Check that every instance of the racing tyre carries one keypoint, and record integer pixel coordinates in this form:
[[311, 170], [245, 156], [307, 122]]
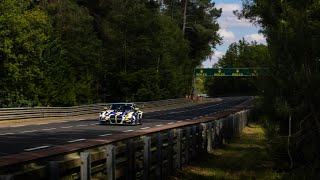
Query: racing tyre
[[133, 122]]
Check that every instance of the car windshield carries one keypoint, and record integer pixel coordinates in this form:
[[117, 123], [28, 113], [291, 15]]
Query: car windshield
[[120, 107]]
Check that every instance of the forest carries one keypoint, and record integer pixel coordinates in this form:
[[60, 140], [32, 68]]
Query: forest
[[289, 99], [72, 52]]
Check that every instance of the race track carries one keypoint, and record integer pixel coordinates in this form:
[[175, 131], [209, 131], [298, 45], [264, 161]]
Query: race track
[[23, 138]]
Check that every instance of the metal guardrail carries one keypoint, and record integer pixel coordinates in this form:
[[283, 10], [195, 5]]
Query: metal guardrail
[[47, 112], [144, 155]]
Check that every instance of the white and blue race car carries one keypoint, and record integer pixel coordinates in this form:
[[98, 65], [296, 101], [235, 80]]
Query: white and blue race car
[[121, 113]]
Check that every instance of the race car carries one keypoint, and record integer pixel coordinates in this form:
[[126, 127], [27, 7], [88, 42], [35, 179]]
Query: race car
[[121, 113]]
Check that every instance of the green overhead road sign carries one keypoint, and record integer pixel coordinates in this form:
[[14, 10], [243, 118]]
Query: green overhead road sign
[[207, 72]]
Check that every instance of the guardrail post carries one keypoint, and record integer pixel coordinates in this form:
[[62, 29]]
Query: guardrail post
[[230, 118], [214, 125], [204, 136], [85, 166], [236, 120], [200, 137], [218, 139], [54, 170], [131, 160], [41, 112], [232, 125], [245, 118], [146, 156], [179, 148], [194, 140], [187, 145], [222, 131], [170, 151], [209, 142], [111, 165], [159, 156], [225, 129], [240, 122]]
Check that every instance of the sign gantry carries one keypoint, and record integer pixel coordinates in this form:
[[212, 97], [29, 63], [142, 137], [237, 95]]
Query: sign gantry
[[216, 72], [225, 72]]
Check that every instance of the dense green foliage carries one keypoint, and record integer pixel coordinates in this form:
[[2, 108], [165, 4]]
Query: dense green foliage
[[69, 52], [24, 36], [292, 31], [240, 54]]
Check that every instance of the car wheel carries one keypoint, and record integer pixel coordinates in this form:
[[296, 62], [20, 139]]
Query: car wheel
[[133, 122]]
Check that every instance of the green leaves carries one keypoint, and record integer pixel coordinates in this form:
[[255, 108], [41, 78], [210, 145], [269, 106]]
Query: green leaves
[[292, 30], [23, 37], [241, 54], [64, 53]]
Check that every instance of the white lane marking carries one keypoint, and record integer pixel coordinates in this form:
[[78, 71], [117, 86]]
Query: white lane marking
[[18, 126], [29, 131], [61, 121], [36, 148], [105, 135], [170, 123], [159, 125], [145, 128], [128, 130], [81, 125], [94, 124], [76, 140], [194, 118], [66, 127], [49, 129], [42, 123], [188, 119], [6, 134], [179, 121]]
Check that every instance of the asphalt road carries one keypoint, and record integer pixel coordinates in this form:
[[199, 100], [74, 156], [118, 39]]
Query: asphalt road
[[22, 138]]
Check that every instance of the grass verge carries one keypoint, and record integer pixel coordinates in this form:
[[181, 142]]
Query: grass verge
[[242, 158]]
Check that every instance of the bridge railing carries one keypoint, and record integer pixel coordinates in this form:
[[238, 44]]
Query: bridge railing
[[145, 154], [47, 112]]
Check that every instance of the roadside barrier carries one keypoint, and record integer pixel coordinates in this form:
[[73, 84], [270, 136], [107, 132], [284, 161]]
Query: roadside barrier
[[47, 112], [145, 154]]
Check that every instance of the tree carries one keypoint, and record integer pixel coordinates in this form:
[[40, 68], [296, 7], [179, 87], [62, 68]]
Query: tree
[[62, 53], [139, 40], [201, 27], [73, 55], [241, 54], [291, 30], [24, 33]]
